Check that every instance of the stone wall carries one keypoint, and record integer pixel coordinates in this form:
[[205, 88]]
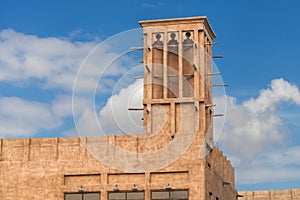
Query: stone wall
[[292, 194], [47, 168], [219, 176]]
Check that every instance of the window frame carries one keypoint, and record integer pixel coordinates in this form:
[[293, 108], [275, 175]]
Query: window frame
[[126, 192], [82, 193], [169, 191]]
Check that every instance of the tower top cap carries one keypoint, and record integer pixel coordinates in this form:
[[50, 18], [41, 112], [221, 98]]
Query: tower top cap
[[176, 21]]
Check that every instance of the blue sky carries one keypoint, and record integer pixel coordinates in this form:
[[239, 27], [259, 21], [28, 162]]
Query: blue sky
[[258, 39]]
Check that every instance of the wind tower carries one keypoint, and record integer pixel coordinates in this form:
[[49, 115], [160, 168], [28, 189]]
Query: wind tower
[[177, 77]]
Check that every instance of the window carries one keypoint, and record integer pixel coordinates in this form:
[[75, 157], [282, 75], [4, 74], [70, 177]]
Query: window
[[82, 196], [126, 196], [210, 195], [169, 195]]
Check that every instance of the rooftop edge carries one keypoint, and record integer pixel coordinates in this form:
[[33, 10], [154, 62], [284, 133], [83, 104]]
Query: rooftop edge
[[194, 19]]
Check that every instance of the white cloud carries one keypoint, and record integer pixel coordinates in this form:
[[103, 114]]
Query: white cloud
[[87, 124], [115, 117], [255, 136], [52, 60], [247, 133], [62, 105], [24, 118], [279, 91], [282, 164], [52, 63]]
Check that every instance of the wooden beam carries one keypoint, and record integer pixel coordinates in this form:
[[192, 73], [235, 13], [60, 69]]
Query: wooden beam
[[136, 48], [211, 43], [210, 105], [135, 109], [148, 69], [195, 67], [224, 85], [218, 115], [138, 77], [214, 73]]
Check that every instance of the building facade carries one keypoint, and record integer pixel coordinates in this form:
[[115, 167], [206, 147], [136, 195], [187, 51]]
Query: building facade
[[174, 158], [292, 194]]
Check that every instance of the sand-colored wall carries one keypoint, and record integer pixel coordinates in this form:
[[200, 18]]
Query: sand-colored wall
[[292, 194], [219, 176], [46, 168]]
